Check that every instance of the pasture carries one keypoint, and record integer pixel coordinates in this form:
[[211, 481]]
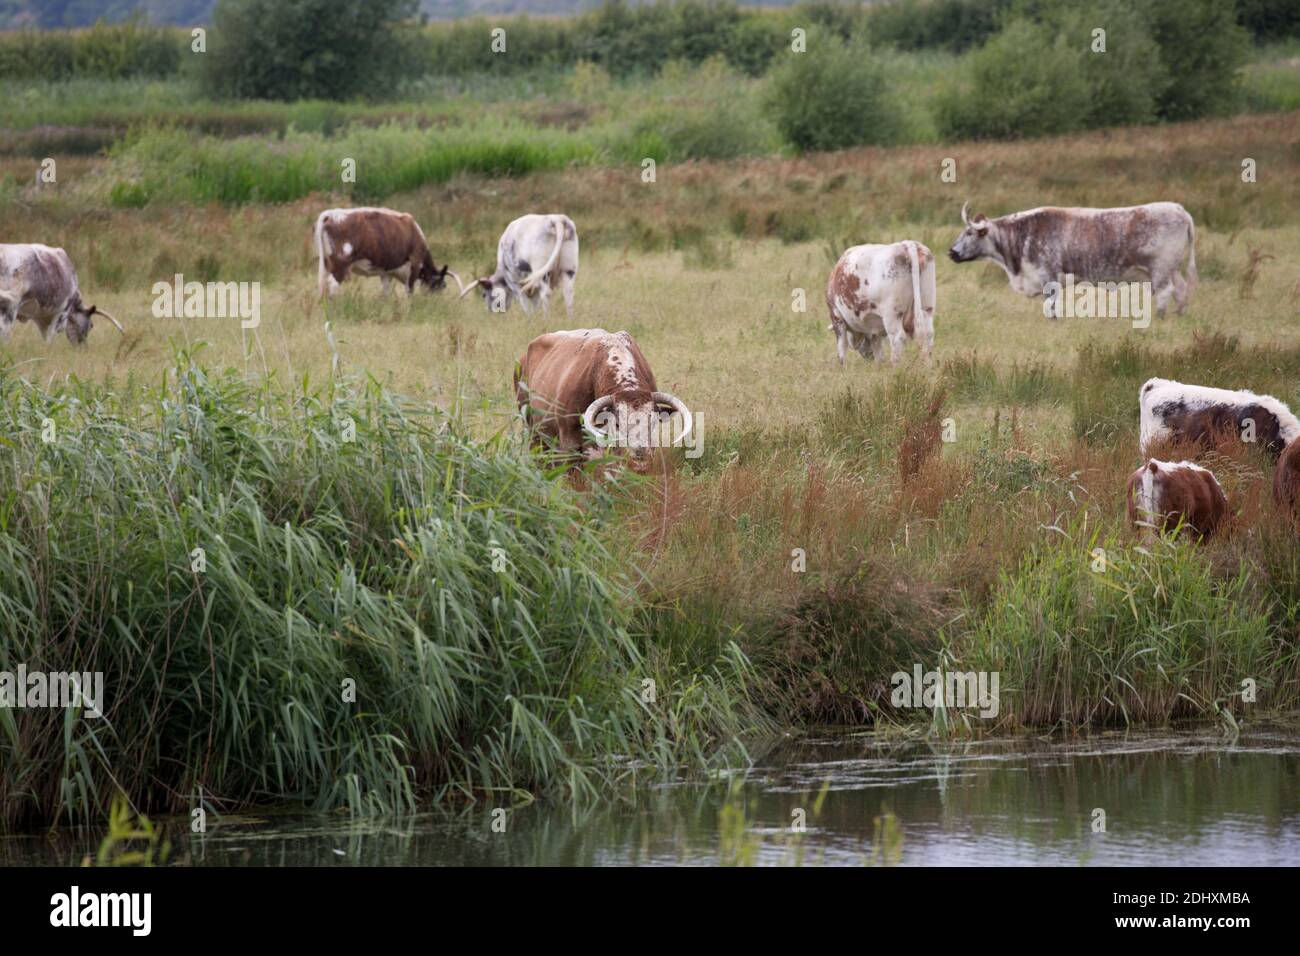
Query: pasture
[[976, 552]]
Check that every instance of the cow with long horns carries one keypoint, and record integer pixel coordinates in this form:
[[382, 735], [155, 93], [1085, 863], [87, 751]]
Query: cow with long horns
[[585, 390], [1040, 249], [39, 284], [535, 256], [373, 241]]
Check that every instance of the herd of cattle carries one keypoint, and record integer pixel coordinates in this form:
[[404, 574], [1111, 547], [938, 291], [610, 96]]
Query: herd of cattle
[[586, 390]]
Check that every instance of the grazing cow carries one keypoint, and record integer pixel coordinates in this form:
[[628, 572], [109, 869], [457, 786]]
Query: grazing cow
[[880, 291], [1209, 416], [1169, 495], [39, 284], [550, 240], [373, 242], [1286, 479], [1039, 248], [587, 388]]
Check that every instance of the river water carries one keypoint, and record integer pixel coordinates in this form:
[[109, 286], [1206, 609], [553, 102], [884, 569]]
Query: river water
[[1176, 798]]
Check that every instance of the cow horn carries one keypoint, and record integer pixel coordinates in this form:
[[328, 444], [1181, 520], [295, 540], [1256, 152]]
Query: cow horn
[[460, 285], [677, 405], [964, 207], [589, 418], [99, 311]]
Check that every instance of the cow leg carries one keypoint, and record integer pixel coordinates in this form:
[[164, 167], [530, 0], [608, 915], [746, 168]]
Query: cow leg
[[335, 278], [387, 280], [1163, 286], [8, 314], [566, 289], [841, 342], [1180, 293], [877, 343], [925, 334]]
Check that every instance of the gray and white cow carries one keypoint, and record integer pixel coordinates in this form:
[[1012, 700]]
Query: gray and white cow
[[1039, 248], [882, 291], [39, 284], [536, 255]]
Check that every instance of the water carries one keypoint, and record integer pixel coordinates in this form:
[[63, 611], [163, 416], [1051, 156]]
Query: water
[[1168, 799]]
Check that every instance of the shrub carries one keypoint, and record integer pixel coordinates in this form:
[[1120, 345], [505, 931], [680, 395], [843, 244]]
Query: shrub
[[302, 49], [832, 96], [1202, 48], [1026, 81]]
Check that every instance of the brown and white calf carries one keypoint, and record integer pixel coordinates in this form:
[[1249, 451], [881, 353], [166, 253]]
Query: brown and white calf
[[879, 292], [587, 389], [1039, 248], [1173, 412], [1168, 495], [372, 241], [39, 284], [535, 255]]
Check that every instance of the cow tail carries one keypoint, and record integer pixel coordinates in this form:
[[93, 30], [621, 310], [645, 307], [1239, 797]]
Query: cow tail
[[319, 234], [1192, 278], [916, 285], [541, 274]]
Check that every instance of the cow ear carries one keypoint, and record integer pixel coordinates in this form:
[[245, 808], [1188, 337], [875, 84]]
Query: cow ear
[[485, 282]]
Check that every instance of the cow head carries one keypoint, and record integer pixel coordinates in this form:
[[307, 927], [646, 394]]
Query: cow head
[[76, 320], [627, 423], [975, 241], [432, 277]]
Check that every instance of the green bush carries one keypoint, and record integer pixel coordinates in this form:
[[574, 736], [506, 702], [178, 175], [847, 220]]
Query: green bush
[[1202, 49], [346, 535], [1028, 80], [304, 49], [955, 25], [832, 96]]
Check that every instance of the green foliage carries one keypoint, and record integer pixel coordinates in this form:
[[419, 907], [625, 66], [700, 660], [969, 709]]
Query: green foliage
[[1202, 48], [1269, 19], [1154, 637], [833, 96], [131, 49], [955, 25], [171, 164], [347, 541], [298, 49], [1028, 80]]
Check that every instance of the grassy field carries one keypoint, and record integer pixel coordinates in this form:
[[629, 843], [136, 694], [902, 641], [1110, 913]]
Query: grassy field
[[975, 554]]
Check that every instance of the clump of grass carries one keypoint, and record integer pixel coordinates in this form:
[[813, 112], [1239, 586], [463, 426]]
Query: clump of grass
[[325, 595], [1156, 636]]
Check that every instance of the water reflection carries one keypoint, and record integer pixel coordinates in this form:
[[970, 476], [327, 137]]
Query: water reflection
[[1167, 799]]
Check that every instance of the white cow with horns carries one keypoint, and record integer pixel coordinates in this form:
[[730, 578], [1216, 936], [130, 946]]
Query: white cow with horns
[[39, 284]]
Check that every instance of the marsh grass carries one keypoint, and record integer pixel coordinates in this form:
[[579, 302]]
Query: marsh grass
[[234, 557]]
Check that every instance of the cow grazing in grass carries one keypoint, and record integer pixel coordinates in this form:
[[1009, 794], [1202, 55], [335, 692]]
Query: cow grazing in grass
[[371, 241], [1040, 248], [535, 256], [39, 284], [879, 292], [1175, 495], [1286, 480], [587, 389], [1173, 412]]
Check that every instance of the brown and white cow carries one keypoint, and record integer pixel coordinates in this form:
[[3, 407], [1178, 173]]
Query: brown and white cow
[[587, 389], [535, 255], [39, 284], [1170, 411], [1175, 495], [1039, 249], [882, 291], [1286, 479], [373, 241]]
